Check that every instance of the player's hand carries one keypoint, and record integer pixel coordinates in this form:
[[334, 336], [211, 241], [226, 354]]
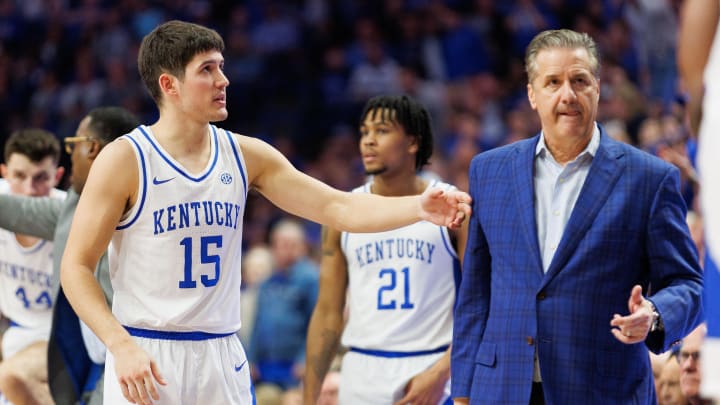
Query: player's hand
[[634, 327], [426, 388], [445, 208], [136, 373]]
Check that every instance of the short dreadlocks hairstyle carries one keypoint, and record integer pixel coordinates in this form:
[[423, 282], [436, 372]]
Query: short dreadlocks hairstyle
[[408, 113]]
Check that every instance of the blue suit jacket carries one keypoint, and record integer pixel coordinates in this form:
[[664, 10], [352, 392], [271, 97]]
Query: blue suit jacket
[[627, 227]]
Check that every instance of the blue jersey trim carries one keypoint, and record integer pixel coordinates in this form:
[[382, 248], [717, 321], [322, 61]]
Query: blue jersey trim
[[237, 159], [34, 248], [144, 186], [167, 160], [166, 335], [445, 238], [389, 354], [15, 324], [457, 277]]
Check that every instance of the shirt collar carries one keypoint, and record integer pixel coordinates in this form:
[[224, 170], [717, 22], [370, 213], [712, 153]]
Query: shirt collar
[[591, 148]]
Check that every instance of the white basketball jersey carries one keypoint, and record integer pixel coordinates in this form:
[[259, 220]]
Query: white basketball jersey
[[709, 145], [25, 272], [175, 256], [402, 287]]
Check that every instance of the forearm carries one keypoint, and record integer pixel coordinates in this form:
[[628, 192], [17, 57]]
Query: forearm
[[365, 212], [441, 368], [697, 28], [34, 216], [322, 346], [87, 299]]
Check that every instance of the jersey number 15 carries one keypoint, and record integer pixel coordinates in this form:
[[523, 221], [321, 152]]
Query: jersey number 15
[[205, 258]]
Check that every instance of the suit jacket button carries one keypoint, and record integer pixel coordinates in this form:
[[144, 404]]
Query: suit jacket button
[[529, 340], [541, 295]]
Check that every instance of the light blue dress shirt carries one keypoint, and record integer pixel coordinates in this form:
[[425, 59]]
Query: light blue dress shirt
[[557, 188]]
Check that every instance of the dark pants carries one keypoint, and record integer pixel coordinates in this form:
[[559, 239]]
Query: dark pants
[[536, 396]]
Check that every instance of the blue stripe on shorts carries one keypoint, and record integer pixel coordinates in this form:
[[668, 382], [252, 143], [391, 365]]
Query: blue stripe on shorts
[[384, 353], [166, 335]]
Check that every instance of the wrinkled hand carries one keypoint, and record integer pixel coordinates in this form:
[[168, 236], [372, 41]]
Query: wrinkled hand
[[425, 388], [634, 327], [445, 208], [136, 373]]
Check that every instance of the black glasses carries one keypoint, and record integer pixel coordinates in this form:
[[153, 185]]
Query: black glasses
[[684, 356], [72, 140]]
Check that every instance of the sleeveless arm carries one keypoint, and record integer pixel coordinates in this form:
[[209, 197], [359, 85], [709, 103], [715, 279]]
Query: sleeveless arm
[[299, 194], [326, 323], [699, 19]]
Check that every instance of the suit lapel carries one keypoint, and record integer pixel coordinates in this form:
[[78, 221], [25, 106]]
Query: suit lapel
[[523, 169], [604, 172]]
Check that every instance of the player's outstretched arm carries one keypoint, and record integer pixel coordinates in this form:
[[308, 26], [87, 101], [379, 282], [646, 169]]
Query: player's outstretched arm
[[108, 193], [327, 320], [297, 193]]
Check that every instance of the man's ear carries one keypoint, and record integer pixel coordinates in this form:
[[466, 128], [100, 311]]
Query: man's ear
[[531, 96], [414, 147], [94, 149], [58, 174], [167, 84], [3, 170]]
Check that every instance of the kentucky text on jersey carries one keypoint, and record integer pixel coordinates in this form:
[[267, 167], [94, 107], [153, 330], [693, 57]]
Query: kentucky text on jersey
[[396, 248], [196, 213], [23, 273]]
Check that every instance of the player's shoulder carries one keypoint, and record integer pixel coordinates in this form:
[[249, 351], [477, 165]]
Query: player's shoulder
[[435, 181], [364, 188]]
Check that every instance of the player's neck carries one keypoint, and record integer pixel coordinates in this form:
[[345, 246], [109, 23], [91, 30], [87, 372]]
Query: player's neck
[[25, 240], [394, 186], [187, 141], [174, 126]]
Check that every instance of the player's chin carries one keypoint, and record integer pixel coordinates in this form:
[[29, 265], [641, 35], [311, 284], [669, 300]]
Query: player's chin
[[219, 115]]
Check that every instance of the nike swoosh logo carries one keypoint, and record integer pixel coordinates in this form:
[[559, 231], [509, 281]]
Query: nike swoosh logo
[[158, 182], [238, 368]]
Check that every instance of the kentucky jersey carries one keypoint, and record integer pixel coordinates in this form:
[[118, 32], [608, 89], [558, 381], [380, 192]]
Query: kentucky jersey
[[182, 240], [25, 272], [401, 287]]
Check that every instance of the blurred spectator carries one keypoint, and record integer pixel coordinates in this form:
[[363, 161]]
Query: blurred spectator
[[463, 50], [257, 266], [376, 74], [286, 299], [690, 374], [669, 392], [654, 26], [657, 362], [329, 389]]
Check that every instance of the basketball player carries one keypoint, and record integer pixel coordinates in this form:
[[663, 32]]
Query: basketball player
[[699, 63], [401, 282], [30, 168], [74, 358], [171, 197]]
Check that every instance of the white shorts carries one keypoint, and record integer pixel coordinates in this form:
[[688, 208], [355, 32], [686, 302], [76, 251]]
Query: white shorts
[[376, 380], [17, 338], [209, 371]]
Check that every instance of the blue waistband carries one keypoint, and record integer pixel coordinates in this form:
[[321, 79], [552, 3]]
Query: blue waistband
[[15, 324], [384, 353], [166, 335]]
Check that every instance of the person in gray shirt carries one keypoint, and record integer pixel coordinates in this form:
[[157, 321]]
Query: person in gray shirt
[[74, 371]]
